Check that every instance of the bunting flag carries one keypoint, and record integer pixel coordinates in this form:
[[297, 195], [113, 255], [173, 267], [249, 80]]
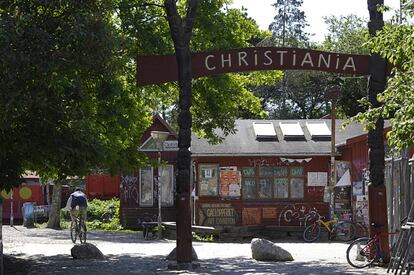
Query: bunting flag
[[295, 160]]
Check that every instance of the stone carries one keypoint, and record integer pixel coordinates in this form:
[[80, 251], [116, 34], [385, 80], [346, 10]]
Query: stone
[[173, 255], [264, 250], [86, 251]]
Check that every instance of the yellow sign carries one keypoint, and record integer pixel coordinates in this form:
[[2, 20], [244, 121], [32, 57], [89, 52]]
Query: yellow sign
[[25, 193]]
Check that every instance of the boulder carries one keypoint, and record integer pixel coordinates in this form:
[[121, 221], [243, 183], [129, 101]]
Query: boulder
[[264, 250], [86, 251], [173, 255]]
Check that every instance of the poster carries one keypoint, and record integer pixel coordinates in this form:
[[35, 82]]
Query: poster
[[230, 182], [343, 173], [361, 209], [357, 188], [317, 178], [208, 180]]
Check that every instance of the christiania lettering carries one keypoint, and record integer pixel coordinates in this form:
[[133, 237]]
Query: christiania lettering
[[282, 58]]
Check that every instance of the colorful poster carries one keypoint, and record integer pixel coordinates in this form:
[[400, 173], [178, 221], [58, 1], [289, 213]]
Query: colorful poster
[[230, 182]]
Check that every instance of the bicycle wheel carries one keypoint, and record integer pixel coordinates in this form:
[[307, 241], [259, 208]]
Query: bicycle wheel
[[73, 231], [82, 232], [361, 252], [345, 231], [312, 232]]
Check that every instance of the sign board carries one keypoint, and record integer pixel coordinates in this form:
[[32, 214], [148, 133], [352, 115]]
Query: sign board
[[163, 68], [217, 214], [170, 145]]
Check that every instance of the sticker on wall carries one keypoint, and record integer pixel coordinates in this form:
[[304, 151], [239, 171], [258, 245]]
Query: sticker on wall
[[25, 193], [5, 195], [230, 182]]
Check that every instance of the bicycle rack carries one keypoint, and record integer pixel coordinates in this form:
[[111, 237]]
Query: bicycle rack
[[402, 254]]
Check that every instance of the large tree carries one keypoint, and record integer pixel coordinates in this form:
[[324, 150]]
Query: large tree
[[288, 26], [66, 103], [218, 100], [395, 43]]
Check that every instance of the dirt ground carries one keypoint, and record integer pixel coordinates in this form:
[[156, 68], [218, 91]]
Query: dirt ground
[[45, 251]]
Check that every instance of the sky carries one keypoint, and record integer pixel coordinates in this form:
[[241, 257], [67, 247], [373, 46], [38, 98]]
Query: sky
[[315, 10]]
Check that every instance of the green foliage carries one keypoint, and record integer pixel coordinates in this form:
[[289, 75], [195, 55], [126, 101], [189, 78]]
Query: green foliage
[[104, 214], [206, 238], [347, 34], [288, 27], [395, 43], [67, 103], [217, 100]]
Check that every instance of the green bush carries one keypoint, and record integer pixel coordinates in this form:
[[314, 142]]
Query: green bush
[[104, 214], [101, 215]]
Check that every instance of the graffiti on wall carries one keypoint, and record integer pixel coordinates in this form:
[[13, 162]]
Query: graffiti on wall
[[298, 214], [129, 188], [257, 162]]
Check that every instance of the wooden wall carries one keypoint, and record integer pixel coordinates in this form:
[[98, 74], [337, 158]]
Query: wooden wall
[[218, 211]]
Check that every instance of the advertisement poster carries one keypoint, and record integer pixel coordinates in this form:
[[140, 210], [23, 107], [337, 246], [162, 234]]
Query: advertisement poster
[[230, 182]]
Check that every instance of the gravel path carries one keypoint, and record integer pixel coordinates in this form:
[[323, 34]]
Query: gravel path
[[46, 251]]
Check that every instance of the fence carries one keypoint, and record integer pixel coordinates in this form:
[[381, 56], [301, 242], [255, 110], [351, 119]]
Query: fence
[[399, 181]]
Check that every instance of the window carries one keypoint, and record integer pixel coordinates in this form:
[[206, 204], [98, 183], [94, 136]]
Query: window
[[208, 182], [146, 191], [166, 174], [281, 188], [291, 130], [268, 182], [249, 188]]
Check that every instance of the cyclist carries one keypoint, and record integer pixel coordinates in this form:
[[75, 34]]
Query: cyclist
[[77, 198]]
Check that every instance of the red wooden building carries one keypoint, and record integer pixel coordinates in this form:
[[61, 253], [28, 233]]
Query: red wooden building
[[274, 172], [139, 191], [29, 191]]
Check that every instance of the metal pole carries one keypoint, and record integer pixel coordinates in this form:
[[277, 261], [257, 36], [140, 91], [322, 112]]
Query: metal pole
[[11, 208], [333, 181], [159, 194]]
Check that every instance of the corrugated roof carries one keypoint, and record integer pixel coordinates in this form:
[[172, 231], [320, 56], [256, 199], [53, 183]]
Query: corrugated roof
[[244, 142]]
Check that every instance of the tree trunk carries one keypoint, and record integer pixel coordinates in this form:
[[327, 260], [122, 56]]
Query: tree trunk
[[181, 31], [54, 214], [376, 190], [1, 237]]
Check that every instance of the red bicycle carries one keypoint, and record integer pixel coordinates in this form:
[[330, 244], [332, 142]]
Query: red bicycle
[[364, 251]]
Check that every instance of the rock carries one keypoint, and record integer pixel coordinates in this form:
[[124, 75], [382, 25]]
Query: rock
[[264, 250], [86, 251], [173, 255]]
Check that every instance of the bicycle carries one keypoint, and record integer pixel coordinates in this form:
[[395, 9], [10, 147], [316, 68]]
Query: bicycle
[[78, 228], [364, 251], [343, 230]]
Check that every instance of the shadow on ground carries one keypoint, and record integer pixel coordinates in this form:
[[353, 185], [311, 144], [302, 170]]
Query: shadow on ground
[[133, 264]]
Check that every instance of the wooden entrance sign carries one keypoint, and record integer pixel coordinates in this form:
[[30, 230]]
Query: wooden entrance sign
[[163, 68]]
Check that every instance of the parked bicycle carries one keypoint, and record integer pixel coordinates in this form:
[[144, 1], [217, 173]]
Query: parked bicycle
[[343, 230], [78, 229], [365, 251]]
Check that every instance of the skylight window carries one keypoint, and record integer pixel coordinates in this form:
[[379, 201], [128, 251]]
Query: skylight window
[[264, 130], [319, 130], [291, 130]]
